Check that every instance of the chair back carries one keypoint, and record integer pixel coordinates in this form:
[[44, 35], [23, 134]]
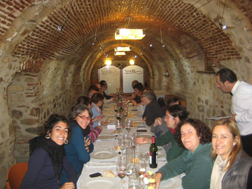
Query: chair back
[[15, 175]]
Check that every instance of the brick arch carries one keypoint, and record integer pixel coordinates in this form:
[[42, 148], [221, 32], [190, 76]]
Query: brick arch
[[84, 18]]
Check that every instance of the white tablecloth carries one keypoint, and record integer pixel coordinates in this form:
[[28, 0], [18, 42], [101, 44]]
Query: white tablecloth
[[101, 165]]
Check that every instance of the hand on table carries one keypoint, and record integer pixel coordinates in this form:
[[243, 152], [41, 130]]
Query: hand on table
[[68, 185], [104, 123], [158, 121], [98, 118], [133, 95], [157, 178], [143, 140]]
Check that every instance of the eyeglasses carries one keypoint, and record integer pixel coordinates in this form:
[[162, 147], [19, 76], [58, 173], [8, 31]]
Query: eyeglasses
[[84, 117], [167, 117]]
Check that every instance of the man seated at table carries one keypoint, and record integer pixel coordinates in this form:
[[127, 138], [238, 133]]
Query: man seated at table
[[152, 110], [92, 89], [104, 87]]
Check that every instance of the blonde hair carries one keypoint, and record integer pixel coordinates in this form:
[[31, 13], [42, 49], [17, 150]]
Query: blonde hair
[[233, 129]]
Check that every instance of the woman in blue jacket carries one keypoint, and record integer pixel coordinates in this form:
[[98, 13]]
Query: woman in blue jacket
[[79, 148]]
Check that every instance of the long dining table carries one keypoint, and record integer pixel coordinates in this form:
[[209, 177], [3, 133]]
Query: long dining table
[[104, 157]]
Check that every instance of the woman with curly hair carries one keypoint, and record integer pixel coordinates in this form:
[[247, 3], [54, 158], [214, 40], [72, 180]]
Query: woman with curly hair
[[195, 162], [232, 167], [48, 157]]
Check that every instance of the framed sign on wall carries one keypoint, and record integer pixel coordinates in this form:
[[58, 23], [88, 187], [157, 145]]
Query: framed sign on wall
[[112, 75], [129, 74]]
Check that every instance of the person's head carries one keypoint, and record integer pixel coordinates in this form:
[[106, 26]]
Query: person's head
[[173, 101], [174, 115], [103, 84], [191, 133], [226, 140], [99, 86], [148, 96], [82, 114], [97, 99], [138, 88], [134, 82], [93, 87], [225, 79], [58, 128], [85, 101]]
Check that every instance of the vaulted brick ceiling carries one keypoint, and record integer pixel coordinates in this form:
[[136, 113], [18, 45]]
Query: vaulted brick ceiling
[[181, 26]]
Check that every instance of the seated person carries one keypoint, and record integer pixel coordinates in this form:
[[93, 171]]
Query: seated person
[[92, 89], [94, 132], [48, 157], [174, 116], [195, 161], [97, 101], [80, 146], [232, 167], [152, 108], [104, 87], [138, 89], [159, 126], [133, 83]]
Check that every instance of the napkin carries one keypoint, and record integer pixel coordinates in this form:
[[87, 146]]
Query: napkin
[[111, 127]]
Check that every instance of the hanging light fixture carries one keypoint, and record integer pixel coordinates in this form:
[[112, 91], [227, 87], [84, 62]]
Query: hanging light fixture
[[119, 53], [129, 34], [108, 62], [122, 49], [132, 62]]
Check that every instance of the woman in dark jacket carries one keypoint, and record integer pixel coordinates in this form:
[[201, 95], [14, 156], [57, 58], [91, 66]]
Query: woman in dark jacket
[[48, 157], [232, 167]]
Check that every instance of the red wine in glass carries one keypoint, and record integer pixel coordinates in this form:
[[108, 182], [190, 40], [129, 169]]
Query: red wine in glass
[[121, 175]]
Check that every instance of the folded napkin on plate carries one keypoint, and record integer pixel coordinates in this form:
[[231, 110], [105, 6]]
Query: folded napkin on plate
[[101, 164]]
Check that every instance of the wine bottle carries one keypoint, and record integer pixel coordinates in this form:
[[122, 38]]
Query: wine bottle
[[153, 154]]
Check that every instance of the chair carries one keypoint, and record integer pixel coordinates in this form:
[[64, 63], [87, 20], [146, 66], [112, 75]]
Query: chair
[[15, 175]]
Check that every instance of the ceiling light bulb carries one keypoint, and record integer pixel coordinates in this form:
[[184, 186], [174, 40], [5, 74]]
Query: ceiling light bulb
[[59, 28], [150, 45], [132, 62]]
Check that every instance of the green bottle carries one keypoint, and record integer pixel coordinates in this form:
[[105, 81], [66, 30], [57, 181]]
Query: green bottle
[[153, 154]]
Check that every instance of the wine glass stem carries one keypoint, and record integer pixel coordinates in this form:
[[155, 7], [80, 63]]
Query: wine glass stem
[[121, 184]]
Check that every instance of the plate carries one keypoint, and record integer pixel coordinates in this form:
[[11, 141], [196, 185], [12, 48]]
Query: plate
[[106, 137], [105, 154], [98, 183], [145, 135], [218, 118], [172, 183]]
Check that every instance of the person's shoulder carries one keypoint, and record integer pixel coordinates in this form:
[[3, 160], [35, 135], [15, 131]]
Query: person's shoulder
[[205, 151], [41, 152], [244, 87]]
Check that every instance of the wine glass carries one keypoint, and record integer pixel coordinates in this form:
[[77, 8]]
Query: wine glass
[[128, 125], [118, 125], [118, 115], [116, 109], [121, 168]]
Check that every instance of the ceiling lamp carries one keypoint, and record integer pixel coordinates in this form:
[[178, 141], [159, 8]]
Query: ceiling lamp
[[122, 49], [132, 62], [108, 62], [129, 34], [119, 53]]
